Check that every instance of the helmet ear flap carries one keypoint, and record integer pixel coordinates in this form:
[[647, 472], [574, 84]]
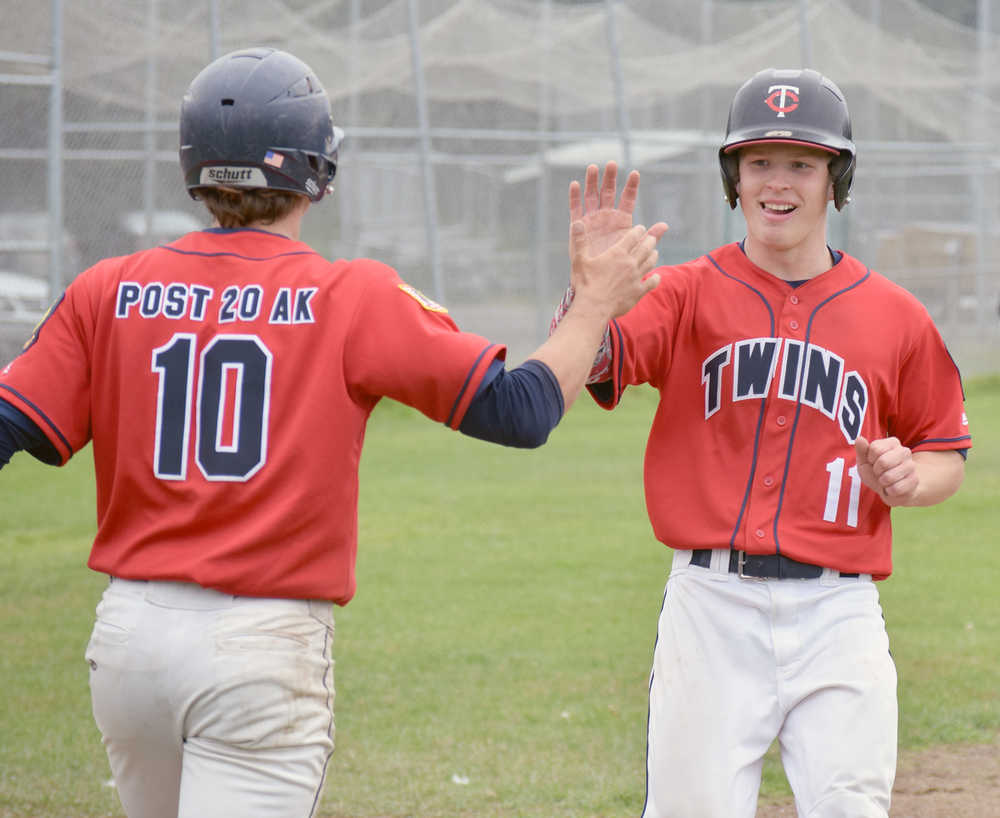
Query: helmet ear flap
[[842, 174], [729, 165]]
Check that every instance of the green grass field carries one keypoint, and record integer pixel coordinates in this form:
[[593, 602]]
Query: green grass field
[[495, 659]]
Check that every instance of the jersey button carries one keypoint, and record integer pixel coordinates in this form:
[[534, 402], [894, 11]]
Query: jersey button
[[759, 533], [793, 324], [780, 420], [769, 481], [794, 299]]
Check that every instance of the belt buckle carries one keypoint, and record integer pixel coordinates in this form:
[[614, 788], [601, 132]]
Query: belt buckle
[[740, 562]]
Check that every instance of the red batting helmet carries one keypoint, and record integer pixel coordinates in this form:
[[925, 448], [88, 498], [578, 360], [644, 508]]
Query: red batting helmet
[[798, 106]]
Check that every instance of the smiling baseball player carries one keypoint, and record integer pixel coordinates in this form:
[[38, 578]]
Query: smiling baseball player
[[802, 396], [226, 380]]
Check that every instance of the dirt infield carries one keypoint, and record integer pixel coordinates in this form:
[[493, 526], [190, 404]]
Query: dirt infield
[[957, 781]]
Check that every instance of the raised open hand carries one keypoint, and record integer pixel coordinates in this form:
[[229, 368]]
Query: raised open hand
[[604, 219]]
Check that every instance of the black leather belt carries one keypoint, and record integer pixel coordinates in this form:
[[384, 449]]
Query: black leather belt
[[763, 566]]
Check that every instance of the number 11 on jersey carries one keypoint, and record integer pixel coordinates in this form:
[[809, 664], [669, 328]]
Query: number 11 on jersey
[[833, 489]]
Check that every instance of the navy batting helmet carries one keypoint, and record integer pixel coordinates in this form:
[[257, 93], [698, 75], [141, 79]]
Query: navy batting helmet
[[258, 118], [798, 106]]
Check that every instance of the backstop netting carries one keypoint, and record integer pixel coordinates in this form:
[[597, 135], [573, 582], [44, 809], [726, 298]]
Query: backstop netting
[[467, 119]]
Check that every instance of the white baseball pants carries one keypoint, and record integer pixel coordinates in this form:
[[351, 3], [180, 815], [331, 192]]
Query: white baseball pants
[[212, 705], [740, 662]]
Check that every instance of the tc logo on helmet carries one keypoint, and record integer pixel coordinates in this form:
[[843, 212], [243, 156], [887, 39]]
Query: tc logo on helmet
[[782, 99]]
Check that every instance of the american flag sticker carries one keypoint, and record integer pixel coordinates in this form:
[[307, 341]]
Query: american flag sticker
[[274, 159]]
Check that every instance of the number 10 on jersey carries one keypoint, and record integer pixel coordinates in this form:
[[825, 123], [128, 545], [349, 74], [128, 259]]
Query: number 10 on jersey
[[226, 391]]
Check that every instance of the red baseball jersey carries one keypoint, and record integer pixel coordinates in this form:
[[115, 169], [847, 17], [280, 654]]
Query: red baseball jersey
[[764, 387], [226, 380]]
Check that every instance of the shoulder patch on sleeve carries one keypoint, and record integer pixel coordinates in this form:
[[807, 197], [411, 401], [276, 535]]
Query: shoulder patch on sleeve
[[33, 338], [421, 299]]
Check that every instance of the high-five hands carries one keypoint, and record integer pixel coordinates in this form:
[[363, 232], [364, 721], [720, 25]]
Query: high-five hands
[[603, 221], [612, 281]]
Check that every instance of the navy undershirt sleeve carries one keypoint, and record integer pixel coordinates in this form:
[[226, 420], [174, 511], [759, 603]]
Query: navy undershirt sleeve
[[19, 432], [603, 391], [515, 408]]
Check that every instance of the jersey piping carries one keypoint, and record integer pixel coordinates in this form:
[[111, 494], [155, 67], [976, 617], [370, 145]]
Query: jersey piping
[[241, 256], [945, 440], [40, 415], [798, 402], [465, 386], [760, 416]]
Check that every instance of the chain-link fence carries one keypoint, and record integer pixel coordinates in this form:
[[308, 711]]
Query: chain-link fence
[[467, 119]]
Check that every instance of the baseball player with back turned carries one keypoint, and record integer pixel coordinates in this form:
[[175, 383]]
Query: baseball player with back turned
[[802, 397], [225, 381]]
